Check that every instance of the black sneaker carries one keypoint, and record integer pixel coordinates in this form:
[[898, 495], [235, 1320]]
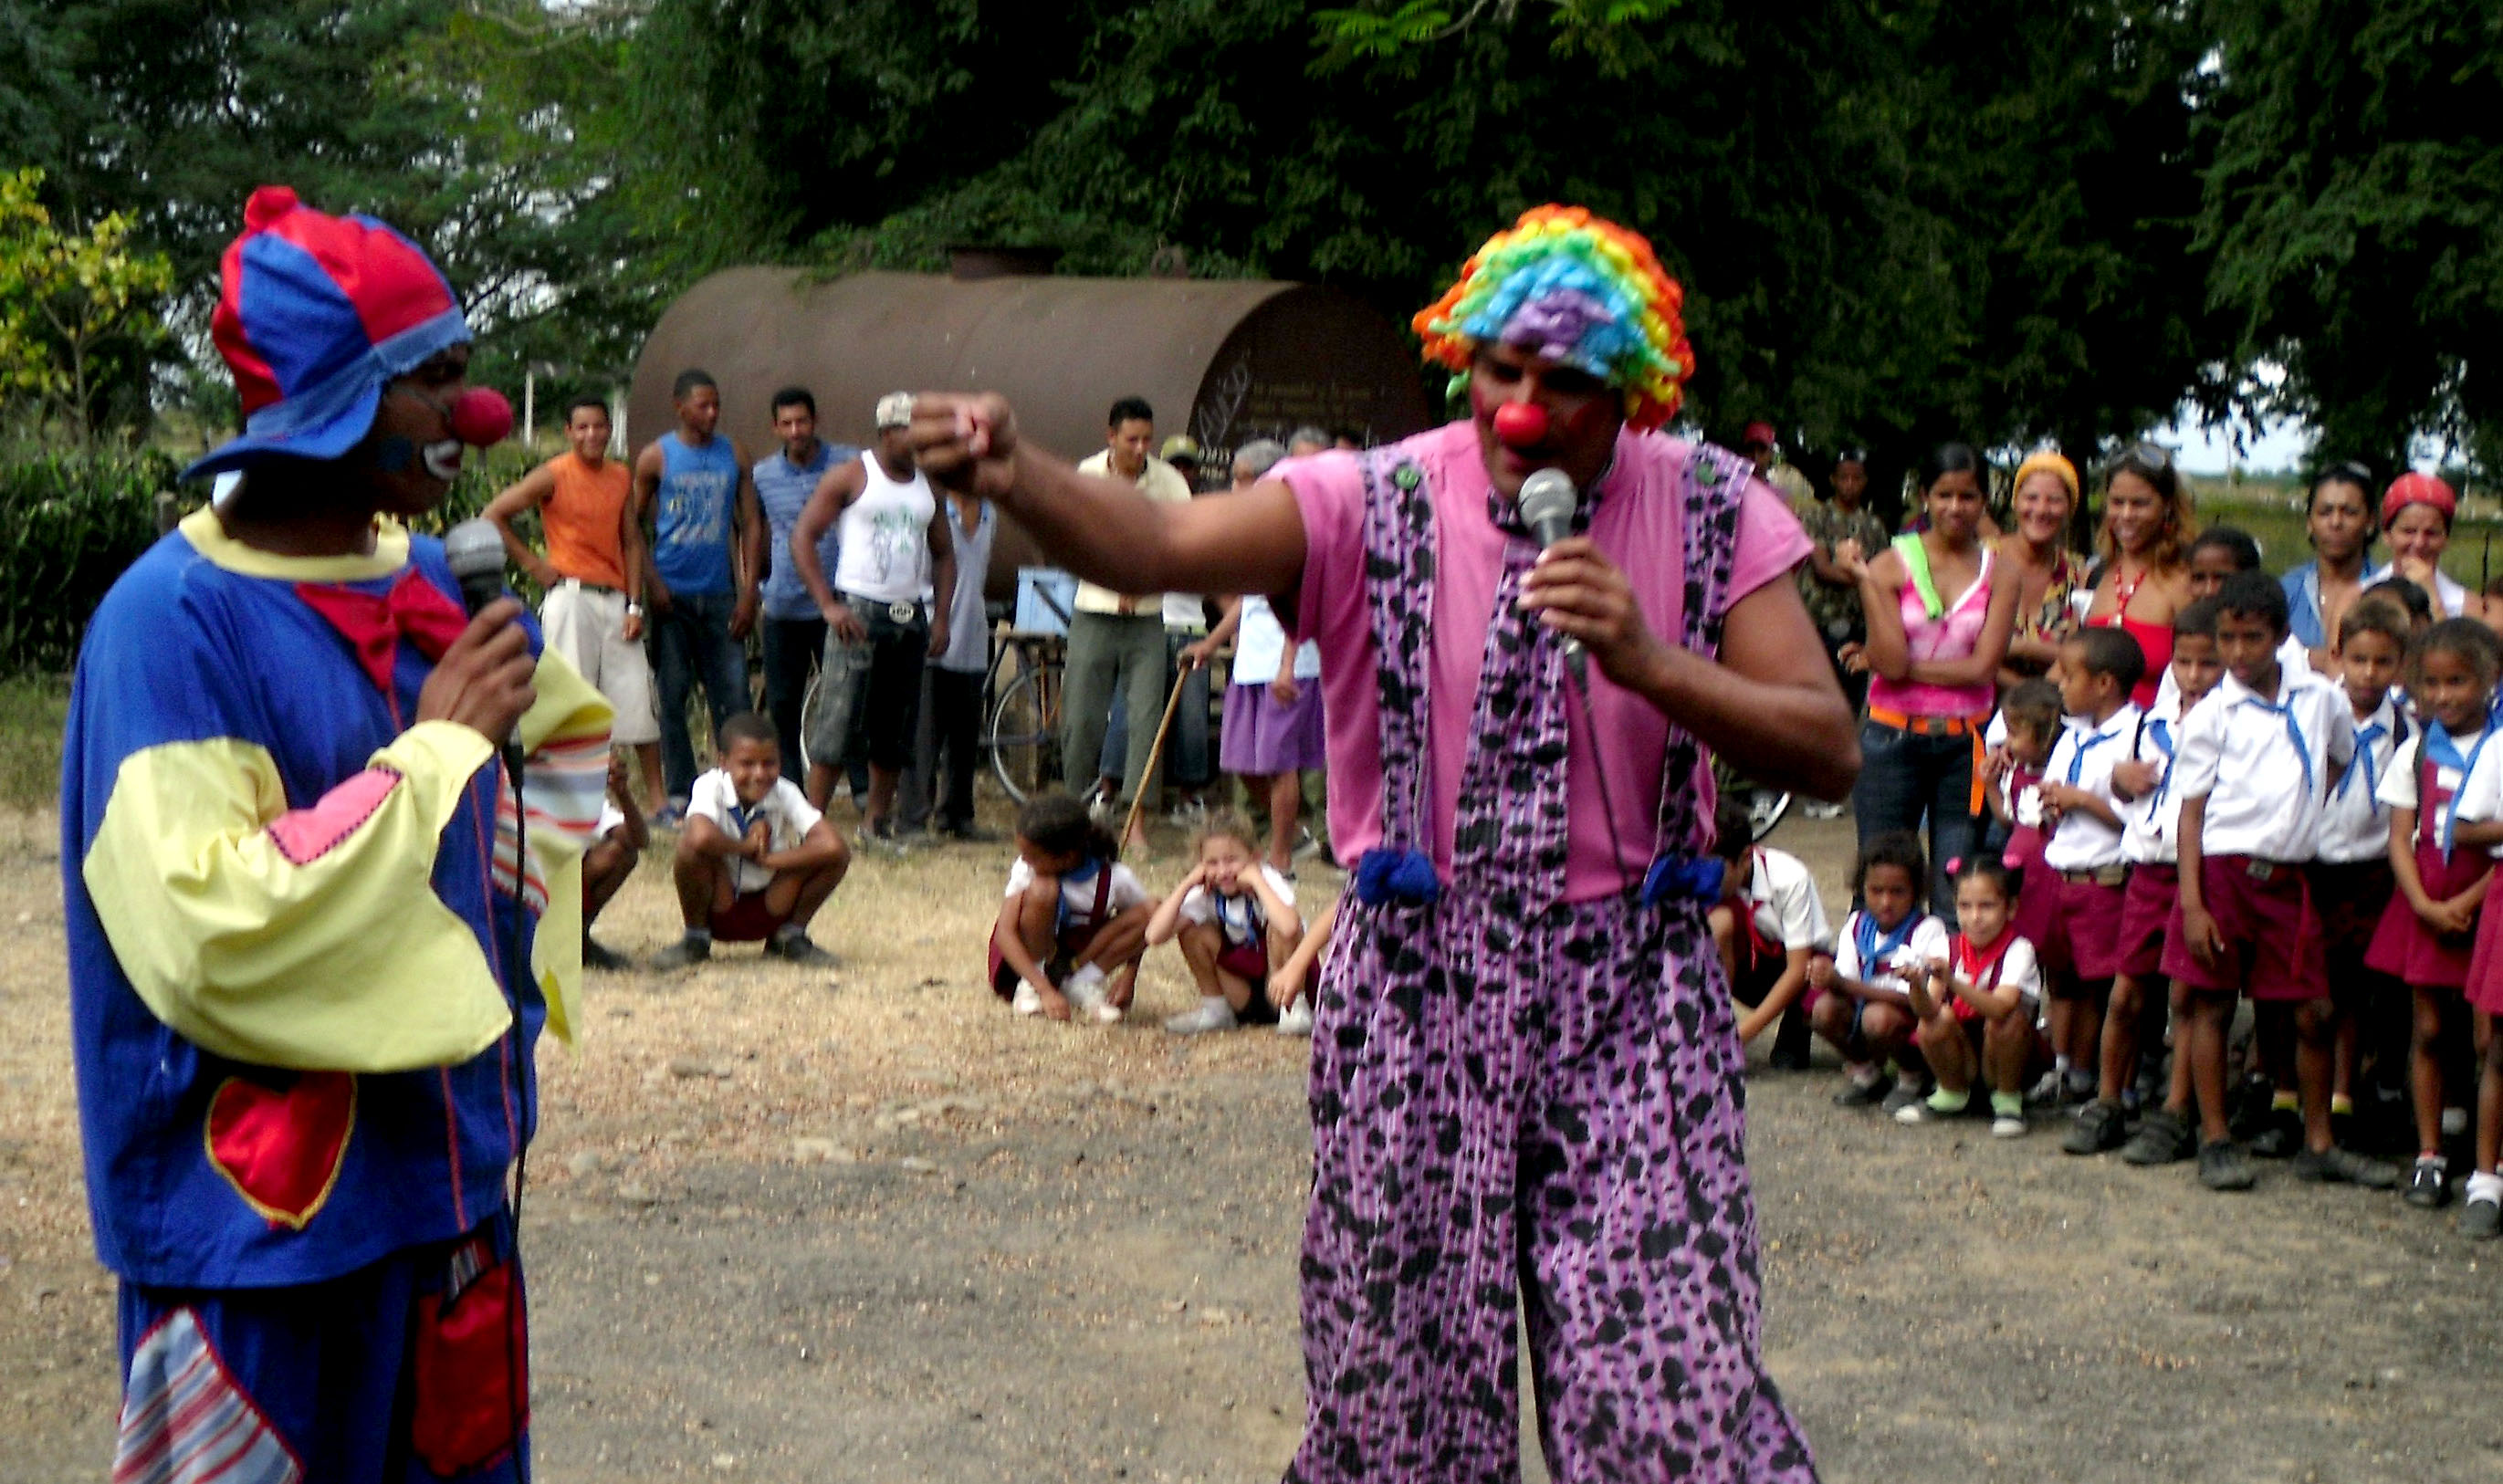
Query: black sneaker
[[2481, 1220], [685, 952], [2334, 1165], [2430, 1184], [1864, 1094], [2096, 1130], [1906, 1090], [2280, 1136], [797, 948], [2162, 1139], [1788, 1060], [600, 956], [2224, 1166]]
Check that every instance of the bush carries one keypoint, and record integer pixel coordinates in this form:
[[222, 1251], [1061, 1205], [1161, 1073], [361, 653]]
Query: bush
[[70, 521]]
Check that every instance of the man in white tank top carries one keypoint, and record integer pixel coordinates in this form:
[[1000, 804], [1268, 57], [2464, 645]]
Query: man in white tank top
[[879, 628]]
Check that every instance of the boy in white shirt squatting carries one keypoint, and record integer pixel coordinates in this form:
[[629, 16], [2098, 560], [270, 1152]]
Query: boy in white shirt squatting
[[1768, 925], [2255, 767], [756, 859]]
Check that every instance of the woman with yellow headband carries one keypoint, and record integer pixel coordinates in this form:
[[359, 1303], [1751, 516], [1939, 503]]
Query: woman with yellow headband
[[2046, 573]]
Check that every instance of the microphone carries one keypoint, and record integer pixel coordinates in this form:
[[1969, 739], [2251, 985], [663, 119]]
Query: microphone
[[475, 552], [1548, 503]]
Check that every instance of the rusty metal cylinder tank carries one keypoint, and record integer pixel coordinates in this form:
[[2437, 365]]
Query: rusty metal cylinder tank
[[1223, 360]]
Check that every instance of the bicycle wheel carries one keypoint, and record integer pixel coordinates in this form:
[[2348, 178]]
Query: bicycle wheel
[[1764, 806], [1025, 732], [808, 722]]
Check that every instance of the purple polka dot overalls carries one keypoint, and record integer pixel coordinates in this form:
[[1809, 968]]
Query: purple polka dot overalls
[[1516, 1098]]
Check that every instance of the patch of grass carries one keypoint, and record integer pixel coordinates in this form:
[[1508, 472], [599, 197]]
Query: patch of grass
[[33, 710]]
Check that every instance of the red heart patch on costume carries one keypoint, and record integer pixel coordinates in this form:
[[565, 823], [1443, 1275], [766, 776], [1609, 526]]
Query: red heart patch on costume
[[281, 1147]]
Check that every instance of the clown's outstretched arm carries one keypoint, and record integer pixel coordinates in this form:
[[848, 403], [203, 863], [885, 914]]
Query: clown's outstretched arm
[[308, 936], [1103, 529]]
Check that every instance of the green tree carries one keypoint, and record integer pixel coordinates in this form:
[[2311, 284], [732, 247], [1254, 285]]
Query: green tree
[[2356, 211], [78, 310]]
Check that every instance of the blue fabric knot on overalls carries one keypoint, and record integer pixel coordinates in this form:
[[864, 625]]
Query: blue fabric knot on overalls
[[1386, 874], [1684, 878]]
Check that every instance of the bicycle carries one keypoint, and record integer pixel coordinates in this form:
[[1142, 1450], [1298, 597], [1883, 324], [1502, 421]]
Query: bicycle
[[1765, 807]]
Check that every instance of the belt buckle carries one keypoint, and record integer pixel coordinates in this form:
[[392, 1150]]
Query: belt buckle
[[902, 611], [2260, 870]]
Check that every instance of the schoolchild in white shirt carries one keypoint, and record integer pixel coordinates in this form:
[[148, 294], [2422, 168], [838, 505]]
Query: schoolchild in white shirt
[[2256, 766], [2080, 943], [2151, 812], [1856, 1000]]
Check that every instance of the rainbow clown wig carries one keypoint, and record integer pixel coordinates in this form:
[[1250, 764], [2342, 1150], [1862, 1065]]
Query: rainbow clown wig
[[1575, 289]]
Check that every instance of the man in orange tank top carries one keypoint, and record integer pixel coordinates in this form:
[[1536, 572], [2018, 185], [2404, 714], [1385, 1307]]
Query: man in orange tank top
[[593, 574]]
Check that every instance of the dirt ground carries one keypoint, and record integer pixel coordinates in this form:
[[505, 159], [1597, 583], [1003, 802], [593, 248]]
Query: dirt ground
[[862, 1226]]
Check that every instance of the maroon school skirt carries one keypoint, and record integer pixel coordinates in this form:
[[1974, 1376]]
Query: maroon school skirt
[[2485, 986], [2407, 949]]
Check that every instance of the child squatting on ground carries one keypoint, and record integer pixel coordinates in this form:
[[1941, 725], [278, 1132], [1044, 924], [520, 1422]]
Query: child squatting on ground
[[755, 858], [1977, 1005], [1858, 1000], [1074, 925], [1235, 915]]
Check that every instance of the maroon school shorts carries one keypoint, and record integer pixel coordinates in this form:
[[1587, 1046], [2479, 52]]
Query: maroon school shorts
[[2263, 911], [2083, 934], [747, 920], [2146, 911]]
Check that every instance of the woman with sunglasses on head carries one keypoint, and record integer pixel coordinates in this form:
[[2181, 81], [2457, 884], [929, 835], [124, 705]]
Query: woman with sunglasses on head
[[2416, 512], [1939, 615], [2045, 572], [2145, 579], [2339, 523]]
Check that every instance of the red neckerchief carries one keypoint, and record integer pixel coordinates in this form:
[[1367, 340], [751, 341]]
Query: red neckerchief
[[415, 610], [1763, 947], [1968, 966]]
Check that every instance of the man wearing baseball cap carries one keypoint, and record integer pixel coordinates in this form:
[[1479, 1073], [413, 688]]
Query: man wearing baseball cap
[[887, 610], [306, 978]]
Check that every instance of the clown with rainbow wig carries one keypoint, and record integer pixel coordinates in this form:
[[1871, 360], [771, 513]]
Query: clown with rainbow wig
[[309, 960], [1525, 1082]]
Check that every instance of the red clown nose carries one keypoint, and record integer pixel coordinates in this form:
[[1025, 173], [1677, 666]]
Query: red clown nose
[[481, 417], [1521, 424]]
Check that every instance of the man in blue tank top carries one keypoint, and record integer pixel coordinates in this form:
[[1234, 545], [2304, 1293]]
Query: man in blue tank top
[[707, 558]]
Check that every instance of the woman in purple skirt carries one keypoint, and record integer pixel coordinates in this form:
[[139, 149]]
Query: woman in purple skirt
[[1273, 704], [1525, 1083]]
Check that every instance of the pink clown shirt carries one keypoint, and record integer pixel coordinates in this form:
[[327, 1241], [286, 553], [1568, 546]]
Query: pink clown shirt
[[1639, 522]]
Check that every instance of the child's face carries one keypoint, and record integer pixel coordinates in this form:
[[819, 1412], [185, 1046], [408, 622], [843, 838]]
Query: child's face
[[2028, 746], [1226, 860], [2369, 664], [2196, 666], [2210, 566], [1888, 890], [2451, 690], [2082, 692], [1981, 908], [754, 768], [2248, 644], [1045, 862]]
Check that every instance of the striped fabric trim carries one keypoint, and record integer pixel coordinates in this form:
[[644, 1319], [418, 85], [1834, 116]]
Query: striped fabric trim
[[185, 1421], [566, 783]]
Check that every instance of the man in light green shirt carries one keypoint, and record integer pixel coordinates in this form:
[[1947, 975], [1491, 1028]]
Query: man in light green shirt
[[1120, 637]]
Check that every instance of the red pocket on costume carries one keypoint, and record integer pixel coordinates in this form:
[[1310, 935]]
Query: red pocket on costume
[[472, 1376], [281, 1144]]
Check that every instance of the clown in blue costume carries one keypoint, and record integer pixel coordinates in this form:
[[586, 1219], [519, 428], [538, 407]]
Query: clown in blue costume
[[306, 975]]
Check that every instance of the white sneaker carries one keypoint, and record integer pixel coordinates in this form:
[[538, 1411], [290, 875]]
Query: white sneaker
[[1212, 1014], [1296, 1019], [1085, 992], [2007, 1126], [1027, 1000]]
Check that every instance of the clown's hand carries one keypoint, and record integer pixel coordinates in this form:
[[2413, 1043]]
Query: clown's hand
[[966, 441], [1576, 591]]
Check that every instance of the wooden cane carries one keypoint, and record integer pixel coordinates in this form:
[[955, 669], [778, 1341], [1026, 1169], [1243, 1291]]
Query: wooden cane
[[1155, 755]]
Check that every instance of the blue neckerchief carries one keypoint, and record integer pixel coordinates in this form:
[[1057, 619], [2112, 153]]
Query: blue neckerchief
[[2370, 733], [2445, 753], [2163, 735], [2078, 757], [2293, 731], [1080, 873], [1864, 936]]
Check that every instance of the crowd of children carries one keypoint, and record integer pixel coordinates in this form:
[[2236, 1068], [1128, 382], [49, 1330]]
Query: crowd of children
[[2315, 838]]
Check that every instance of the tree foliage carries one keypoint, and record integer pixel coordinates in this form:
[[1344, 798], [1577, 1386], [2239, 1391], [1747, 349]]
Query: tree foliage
[[78, 310], [2356, 210]]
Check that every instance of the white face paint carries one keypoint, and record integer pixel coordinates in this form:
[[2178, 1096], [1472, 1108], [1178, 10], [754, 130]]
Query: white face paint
[[443, 460]]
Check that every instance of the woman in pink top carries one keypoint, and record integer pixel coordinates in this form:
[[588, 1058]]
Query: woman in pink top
[[1938, 630], [1524, 1069]]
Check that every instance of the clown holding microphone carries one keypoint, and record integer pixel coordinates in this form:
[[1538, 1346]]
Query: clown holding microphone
[[1525, 1085]]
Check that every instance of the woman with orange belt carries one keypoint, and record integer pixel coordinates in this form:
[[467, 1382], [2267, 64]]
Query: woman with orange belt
[[1939, 627], [2148, 526]]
